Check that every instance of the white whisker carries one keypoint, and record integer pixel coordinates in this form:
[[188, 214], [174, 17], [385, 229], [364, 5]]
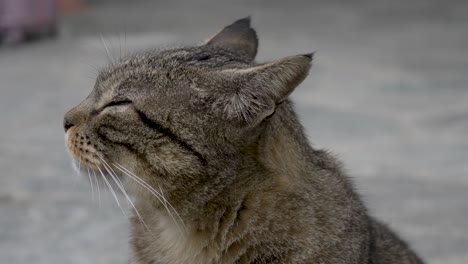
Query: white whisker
[[121, 187], [97, 185], [162, 195], [154, 192], [112, 191], [125, 39], [79, 163], [120, 47], [91, 183], [109, 57]]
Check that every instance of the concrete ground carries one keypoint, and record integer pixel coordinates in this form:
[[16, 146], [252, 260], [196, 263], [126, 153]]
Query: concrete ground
[[388, 94]]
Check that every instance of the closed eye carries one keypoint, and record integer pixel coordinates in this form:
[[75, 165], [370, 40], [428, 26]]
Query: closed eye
[[117, 103]]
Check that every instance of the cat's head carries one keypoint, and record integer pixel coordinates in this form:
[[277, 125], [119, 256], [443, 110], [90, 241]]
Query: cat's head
[[177, 113]]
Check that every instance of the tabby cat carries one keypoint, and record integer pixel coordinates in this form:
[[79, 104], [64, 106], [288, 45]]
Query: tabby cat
[[208, 144]]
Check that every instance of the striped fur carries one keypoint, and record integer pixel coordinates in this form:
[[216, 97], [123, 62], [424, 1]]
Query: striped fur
[[208, 143]]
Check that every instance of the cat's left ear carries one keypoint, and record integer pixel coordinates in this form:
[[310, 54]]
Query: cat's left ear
[[254, 93], [238, 37]]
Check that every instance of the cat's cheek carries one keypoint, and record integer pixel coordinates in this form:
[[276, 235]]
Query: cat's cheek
[[173, 162]]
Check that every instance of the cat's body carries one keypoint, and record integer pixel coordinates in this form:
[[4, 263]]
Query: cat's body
[[220, 167]]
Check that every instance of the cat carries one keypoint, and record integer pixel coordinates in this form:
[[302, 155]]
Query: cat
[[208, 143]]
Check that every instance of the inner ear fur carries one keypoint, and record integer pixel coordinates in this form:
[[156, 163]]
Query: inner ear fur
[[256, 91], [238, 37]]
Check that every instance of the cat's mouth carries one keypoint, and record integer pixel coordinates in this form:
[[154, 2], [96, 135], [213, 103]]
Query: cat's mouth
[[84, 152], [88, 159]]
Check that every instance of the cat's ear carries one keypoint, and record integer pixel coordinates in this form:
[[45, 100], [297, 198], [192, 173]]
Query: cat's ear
[[238, 37], [259, 89]]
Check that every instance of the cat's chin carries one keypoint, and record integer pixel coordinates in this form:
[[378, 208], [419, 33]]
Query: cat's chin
[[83, 165]]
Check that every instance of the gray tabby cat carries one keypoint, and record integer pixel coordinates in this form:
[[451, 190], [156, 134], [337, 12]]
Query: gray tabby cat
[[208, 143]]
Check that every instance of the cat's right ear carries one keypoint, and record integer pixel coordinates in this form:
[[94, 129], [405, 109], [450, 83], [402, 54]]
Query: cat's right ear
[[251, 94], [238, 37]]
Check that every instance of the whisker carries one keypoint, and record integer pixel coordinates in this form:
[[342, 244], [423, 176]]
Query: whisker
[[109, 57], [121, 187], [120, 46], [112, 191], [79, 163], [91, 183], [97, 185], [125, 39], [162, 194], [112, 174], [154, 192], [144, 184]]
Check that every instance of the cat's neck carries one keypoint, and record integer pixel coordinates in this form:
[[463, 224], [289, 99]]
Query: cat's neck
[[281, 157]]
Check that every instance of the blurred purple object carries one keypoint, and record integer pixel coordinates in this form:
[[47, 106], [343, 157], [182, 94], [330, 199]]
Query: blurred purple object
[[27, 19]]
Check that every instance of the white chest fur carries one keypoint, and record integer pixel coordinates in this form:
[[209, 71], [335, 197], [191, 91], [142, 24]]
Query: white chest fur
[[173, 243]]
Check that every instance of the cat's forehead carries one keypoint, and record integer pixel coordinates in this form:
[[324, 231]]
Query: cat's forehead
[[161, 62], [178, 57]]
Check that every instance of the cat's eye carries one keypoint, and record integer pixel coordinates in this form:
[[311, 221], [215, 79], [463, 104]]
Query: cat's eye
[[117, 103]]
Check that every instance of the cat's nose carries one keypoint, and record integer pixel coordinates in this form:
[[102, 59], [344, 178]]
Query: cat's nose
[[67, 123]]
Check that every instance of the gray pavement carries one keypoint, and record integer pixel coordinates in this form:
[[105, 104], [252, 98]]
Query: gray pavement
[[388, 94]]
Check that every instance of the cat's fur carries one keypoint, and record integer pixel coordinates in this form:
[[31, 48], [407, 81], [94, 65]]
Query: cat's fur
[[215, 133]]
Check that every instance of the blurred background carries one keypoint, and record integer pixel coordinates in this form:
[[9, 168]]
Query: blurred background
[[388, 94]]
